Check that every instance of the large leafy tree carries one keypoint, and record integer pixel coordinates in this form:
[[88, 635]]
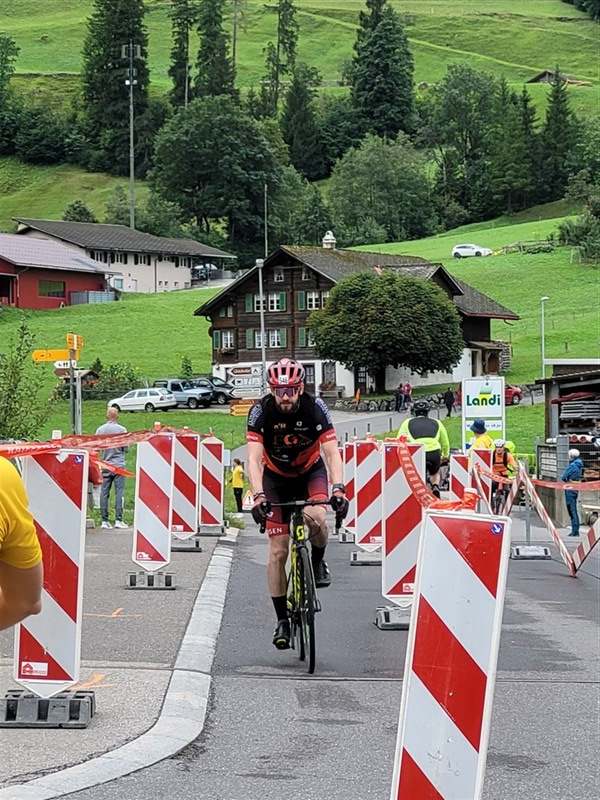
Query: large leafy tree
[[8, 57], [300, 125], [215, 192], [280, 57], [384, 182], [376, 320], [382, 88], [183, 15], [559, 136], [112, 25], [298, 214], [216, 74]]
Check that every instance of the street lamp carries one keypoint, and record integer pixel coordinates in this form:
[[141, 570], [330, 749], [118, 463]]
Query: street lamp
[[542, 304], [261, 300], [130, 52]]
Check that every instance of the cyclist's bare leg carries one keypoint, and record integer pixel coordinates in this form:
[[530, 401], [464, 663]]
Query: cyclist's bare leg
[[315, 517], [276, 561], [435, 478]]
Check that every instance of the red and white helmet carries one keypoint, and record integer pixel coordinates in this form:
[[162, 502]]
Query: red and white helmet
[[285, 372]]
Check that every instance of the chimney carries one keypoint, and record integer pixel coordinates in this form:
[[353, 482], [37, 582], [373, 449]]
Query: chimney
[[329, 241]]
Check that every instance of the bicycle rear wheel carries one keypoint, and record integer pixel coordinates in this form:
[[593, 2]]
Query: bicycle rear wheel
[[307, 610]]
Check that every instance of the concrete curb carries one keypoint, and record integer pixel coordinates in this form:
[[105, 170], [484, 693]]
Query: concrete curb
[[183, 712]]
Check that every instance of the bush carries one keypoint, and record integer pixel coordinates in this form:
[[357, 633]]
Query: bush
[[41, 137], [10, 121]]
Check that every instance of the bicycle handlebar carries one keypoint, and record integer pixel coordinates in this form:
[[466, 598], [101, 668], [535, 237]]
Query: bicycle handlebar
[[303, 504]]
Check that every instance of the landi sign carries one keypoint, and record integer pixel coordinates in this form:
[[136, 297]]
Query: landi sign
[[483, 398]]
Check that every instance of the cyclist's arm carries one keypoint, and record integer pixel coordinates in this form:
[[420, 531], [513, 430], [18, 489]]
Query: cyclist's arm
[[255, 466], [333, 461], [444, 441], [20, 593]]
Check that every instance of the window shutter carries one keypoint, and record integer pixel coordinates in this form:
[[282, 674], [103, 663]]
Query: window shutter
[[249, 337], [249, 302], [301, 337], [217, 340], [300, 301], [282, 301], [283, 337]]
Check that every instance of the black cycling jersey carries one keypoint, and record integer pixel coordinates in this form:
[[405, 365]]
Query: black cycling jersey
[[292, 441]]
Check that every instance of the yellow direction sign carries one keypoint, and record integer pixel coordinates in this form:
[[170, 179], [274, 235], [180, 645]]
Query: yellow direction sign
[[74, 341], [52, 355]]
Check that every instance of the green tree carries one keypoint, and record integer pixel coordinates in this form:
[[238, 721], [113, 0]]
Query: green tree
[[214, 192], [8, 57], [77, 211], [382, 320], [339, 126], [385, 182], [300, 125], [280, 58], [591, 7], [239, 21], [531, 141], [216, 74], [24, 405], [558, 140], [40, 138], [382, 88], [157, 216], [298, 214], [112, 25], [183, 15]]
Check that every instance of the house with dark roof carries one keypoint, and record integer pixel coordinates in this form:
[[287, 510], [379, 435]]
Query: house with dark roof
[[296, 281], [145, 263], [42, 274]]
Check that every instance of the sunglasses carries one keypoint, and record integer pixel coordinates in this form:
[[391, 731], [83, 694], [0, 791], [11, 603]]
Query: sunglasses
[[286, 391]]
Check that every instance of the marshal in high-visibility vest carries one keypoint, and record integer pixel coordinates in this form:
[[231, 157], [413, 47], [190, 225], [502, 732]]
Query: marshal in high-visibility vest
[[432, 434]]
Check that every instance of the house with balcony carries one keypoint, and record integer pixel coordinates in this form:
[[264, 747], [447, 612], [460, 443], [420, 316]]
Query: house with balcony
[[145, 263], [296, 281]]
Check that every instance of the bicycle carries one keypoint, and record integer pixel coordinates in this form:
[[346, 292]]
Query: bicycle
[[499, 498], [303, 601]]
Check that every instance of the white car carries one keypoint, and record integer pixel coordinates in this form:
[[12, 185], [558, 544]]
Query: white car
[[467, 250], [144, 400]]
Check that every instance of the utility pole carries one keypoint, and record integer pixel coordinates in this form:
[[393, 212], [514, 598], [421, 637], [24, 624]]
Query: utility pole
[[263, 345], [266, 210], [129, 52]]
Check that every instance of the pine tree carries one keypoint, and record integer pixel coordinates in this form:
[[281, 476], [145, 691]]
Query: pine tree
[[382, 76], [216, 75], [299, 124], [558, 140], [280, 57], [183, 15], [239, 19], [368, 21], [531, 140], [112, 25]]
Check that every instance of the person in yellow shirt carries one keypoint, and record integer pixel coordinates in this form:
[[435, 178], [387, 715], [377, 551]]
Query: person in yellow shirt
[[481, 439], [21, 574], [237, 482]]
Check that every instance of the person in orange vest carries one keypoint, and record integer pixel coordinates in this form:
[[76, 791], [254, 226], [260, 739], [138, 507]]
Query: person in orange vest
[[504, 465]]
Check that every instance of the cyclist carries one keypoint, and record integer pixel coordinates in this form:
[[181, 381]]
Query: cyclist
[[20, 552], [432, 435], [292, 447], [504, 465]]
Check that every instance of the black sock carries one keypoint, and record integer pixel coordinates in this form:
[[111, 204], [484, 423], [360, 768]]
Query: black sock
[[281, 609], [316, 555]]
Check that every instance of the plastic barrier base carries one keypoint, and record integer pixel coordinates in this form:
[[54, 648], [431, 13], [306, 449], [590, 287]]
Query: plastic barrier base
[[21, 709], [212, 530], [346, 537], [393, 618], [191, 545], [362, 559], [535, 552], [150, 580]]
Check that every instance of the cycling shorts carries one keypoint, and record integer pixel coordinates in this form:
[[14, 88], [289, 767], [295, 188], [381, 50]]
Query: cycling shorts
[[312, 485], [433, 461]]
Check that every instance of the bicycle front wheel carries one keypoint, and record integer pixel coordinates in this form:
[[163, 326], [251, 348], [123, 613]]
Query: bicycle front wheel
[[307, 610]]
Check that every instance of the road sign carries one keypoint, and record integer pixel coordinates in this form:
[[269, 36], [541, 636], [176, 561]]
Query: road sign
[[50, 355], [74, 341], [65, 364]]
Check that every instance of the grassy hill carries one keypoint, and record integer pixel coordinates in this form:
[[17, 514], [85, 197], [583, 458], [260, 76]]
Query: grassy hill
[[499, 36], [27, 190], [518, 282]]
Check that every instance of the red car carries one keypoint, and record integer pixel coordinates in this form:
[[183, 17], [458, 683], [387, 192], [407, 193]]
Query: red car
[[512, 395]]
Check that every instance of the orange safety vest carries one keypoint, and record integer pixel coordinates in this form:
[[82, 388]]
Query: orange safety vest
[[500, 463]]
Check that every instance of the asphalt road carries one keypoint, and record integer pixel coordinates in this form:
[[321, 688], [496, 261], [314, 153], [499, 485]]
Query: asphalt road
[[275, 733]]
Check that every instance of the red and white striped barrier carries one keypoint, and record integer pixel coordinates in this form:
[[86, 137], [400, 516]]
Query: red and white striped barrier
[[367, 533], [349, 468], [481, 491], [211, 482], [459, 475], [482, 459], [402, 514], [545, 517], [184, 510], [48, 646], [588, 541], [153, 501], [451, 658]]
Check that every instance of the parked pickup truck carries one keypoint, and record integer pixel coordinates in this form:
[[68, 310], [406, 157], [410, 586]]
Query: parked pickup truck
[[185, 393]]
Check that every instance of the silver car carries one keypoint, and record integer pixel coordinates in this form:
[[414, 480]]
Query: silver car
[[467, 250], [144, 400]]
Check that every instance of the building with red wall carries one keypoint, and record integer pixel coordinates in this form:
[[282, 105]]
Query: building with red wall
[[42, 274]]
